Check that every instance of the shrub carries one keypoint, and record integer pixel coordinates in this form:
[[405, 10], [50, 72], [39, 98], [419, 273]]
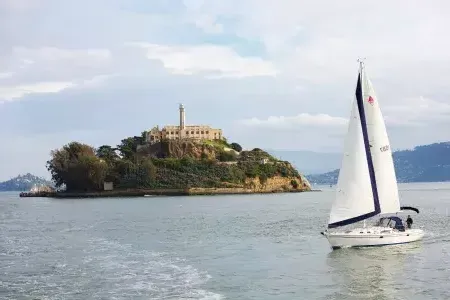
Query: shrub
[[263, 179], [294, 183], [284, 172], [236, 147], [226, 156]]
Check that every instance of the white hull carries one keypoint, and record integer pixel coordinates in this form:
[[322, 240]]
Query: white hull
[[372, 236]]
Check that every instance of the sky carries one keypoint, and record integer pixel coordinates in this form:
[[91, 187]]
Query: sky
[[271, 74]]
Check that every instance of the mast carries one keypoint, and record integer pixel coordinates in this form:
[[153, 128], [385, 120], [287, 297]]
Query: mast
[[367, 145]]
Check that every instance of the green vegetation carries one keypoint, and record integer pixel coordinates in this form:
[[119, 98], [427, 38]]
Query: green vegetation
[[219, 144], [226, 156], [79, 167], [236, 147]]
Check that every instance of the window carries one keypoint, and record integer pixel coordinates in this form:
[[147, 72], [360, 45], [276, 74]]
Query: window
[[197, 132], [187, 132], [177, 132], [203, 132], [192, 132], [207, 132]]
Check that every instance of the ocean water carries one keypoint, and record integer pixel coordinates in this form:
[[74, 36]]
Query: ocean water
[[221, 247]]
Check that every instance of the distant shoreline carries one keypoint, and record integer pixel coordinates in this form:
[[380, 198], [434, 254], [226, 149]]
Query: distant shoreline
[[157, 192]]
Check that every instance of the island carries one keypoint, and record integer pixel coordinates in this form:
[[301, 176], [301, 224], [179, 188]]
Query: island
[[173, 160], [25, 182]]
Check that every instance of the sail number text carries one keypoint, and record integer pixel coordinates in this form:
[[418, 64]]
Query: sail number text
[[384, 148]]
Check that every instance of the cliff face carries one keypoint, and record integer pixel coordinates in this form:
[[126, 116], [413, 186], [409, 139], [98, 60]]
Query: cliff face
[[278, 184], [179, 149], [273, 185], [204, 165]]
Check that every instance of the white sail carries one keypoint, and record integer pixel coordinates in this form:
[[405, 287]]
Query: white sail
[[367, 184], [386, 181], [353, 190]]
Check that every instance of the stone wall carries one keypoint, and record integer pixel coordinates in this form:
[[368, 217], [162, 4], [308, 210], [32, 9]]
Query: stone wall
[[194, 132]]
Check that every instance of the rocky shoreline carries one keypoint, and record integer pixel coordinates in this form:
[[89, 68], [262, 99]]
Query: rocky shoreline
[[158, 192]]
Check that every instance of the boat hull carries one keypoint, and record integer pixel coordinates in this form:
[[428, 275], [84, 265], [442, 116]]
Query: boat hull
[[372, 237]]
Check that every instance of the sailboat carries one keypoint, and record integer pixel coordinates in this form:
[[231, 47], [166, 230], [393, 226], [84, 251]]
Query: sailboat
[[367, 184]]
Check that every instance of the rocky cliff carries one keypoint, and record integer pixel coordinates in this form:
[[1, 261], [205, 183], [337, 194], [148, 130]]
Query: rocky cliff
[[213, 164], [185, 148]]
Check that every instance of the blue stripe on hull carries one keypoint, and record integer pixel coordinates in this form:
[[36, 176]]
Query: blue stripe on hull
[[367, 246]]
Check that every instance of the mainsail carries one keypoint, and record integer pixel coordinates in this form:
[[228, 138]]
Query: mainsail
[[367, 184]]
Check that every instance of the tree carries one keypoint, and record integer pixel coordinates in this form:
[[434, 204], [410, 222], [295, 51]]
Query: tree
[[77, 167], [147, 172], [128, 146], [144, 135], [107, 153], [141, 174], [236, 147]]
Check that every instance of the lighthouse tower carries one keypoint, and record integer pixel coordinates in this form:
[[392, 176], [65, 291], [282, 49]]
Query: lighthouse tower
[[182, 117]]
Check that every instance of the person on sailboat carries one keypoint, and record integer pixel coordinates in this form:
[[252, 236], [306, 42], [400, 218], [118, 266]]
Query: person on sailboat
[[409, 222]]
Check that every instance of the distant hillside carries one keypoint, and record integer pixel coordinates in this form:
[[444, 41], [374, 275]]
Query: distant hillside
[[308, 161], [23, 183], [427, 163]]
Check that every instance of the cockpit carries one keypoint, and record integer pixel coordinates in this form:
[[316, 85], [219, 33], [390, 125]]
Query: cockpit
[[391, 222]]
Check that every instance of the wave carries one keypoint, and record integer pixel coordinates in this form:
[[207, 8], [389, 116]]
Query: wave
[[102, 269]]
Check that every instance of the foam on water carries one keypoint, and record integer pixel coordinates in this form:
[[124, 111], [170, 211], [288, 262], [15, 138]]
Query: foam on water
[[157, 275], [109, 270]]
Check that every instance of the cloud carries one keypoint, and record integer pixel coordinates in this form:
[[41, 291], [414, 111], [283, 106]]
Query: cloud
[[217, 61], [295, 59], [411, 117], [419, 107], [82, 57], [320, 43], [56, 62], [14, 92], [40, 70], [10, 93], [413, 112], [6, 75], [296, 122]]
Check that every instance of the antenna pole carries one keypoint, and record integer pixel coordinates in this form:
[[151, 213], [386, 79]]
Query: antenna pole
[[361, 63]]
